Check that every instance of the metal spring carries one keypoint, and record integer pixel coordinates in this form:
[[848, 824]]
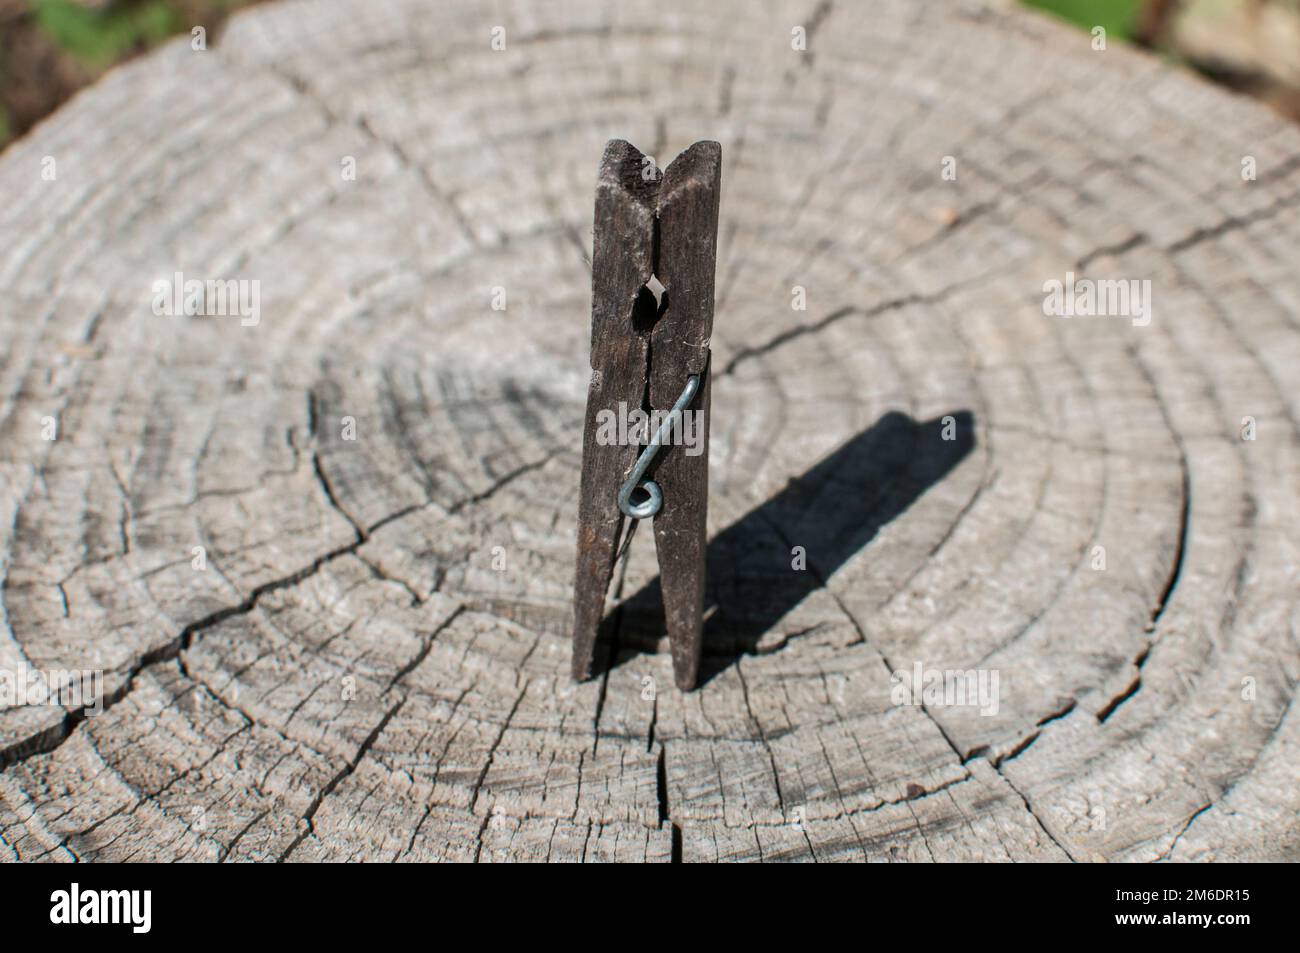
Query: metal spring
[[654, 496]]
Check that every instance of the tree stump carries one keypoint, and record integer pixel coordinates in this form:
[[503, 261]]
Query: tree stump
[[324, 559]]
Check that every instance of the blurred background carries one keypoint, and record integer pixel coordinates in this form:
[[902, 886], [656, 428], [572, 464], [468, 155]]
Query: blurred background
[[51, 48]]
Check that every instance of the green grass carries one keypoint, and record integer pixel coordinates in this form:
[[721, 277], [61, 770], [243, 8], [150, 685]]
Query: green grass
[[98, 38], [1117, 16]]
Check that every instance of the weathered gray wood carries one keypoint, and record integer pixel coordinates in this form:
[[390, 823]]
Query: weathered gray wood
[[376, 661]]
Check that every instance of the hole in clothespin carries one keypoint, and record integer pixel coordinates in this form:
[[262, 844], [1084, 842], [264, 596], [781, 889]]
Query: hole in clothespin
[[639, 496], [651, 301], [658, 290]]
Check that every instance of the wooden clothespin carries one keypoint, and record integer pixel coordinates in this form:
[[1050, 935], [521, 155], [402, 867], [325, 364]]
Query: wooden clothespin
[[649, 355]]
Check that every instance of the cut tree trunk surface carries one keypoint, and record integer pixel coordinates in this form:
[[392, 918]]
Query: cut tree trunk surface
[[325, 561]]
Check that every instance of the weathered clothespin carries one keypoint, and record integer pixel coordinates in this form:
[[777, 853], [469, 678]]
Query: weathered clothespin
[[654, 357]]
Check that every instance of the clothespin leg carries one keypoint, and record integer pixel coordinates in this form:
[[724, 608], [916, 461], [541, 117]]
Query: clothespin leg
[[679, 531], [597, 547]]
